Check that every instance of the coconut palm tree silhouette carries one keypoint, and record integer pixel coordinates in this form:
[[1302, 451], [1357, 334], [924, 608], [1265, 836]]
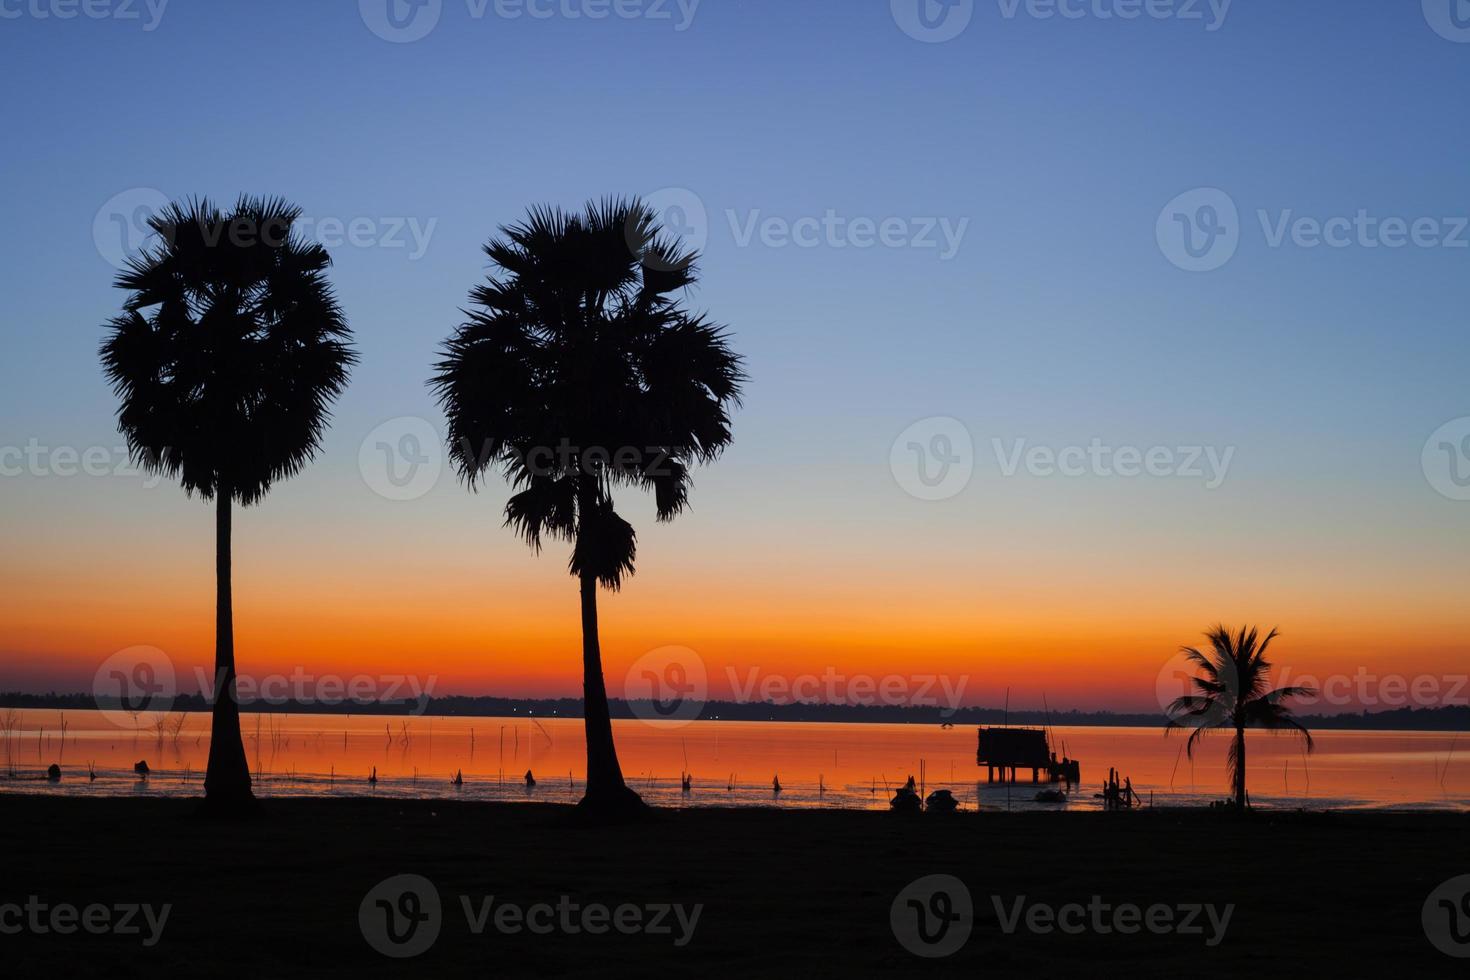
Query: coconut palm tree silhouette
[[1233, 693], [578, 371], [226, 357]]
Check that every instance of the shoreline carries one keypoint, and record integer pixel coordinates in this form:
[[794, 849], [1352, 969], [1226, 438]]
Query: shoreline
[[1417, 809], [27, 786]]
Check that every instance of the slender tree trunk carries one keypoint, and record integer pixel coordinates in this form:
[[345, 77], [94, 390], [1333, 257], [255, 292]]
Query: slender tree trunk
[[227, 780], [1240, 766], [606, 791]]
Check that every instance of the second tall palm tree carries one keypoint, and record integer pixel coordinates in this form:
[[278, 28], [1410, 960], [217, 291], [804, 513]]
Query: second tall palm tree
[[578, 371]]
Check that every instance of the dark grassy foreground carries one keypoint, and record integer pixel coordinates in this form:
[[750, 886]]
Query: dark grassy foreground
[[784, 893]]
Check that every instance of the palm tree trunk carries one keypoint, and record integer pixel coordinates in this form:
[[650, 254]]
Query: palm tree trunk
[[227, 780], [606, 791], [1240, 766]]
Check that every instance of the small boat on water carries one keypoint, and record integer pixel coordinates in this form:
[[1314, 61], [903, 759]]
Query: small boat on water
[[1051, 796], [907, 799], [941, 801]]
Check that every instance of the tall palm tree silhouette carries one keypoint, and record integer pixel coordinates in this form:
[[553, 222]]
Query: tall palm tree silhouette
[[226, 357], [1233, 693], [578, 371]]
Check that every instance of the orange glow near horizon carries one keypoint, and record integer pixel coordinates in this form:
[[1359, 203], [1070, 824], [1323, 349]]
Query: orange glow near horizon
[[478, 632], [1080, 615]]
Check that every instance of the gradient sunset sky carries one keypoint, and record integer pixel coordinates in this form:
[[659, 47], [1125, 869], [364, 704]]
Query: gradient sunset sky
[[1057, 144]]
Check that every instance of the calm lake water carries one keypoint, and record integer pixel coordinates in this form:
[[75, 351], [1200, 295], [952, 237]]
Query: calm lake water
[[733, 763]]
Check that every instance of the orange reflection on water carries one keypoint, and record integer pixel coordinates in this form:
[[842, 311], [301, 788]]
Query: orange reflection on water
[[733, 763]]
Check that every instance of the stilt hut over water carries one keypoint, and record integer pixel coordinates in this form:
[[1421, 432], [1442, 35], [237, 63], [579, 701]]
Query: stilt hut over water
[[1011, 749]]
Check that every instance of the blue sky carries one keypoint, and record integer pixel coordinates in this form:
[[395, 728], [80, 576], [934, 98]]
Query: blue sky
[[1057, 142]]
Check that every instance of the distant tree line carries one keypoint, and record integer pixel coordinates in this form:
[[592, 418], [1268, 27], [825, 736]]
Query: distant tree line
[[1454, 718]]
